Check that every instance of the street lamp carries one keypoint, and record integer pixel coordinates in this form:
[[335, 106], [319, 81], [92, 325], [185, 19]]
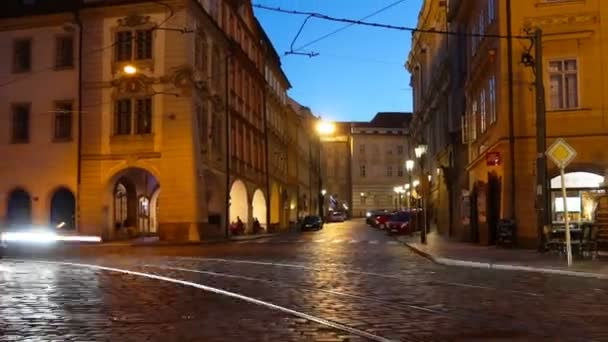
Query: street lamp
[[415, 183], [129, 69], [326, 128], [420, 151], [323, 192], [363, 203]]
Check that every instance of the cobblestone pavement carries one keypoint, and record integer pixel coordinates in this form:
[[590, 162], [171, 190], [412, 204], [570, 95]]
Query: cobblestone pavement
[[347, 273]]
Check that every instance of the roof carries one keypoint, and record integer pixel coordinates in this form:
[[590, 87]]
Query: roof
[[387, 120]]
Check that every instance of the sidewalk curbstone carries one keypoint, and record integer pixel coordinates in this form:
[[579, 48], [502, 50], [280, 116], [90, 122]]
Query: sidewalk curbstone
[[505, 267]]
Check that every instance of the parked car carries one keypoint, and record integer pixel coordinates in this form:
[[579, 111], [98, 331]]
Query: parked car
[[311, 223], [400, 223], [381, 219], [370, 216], [336, 216]]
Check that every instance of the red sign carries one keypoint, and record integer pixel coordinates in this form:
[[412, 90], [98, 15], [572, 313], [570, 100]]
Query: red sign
[[493, 158]]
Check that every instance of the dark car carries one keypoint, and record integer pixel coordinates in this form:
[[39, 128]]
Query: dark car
[[400, 223], [311, 223]]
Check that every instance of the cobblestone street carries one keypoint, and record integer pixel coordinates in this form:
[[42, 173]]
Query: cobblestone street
[[348, 282]]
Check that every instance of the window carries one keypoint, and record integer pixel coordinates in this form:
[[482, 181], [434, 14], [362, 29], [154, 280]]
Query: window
[[126, 50], [390, 151], [492, 99], [143, 118], [483, 119], [473, 122], [399, 149], [400, 171], [563, 79], [362, 171], [362, 149], [64, 54], [22, 55], [464, 127], [389, 171], [143, 44], [491, 11], [21, 124], [63, 121], [122, 123]]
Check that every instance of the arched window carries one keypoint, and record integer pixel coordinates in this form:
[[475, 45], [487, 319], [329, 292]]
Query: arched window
[[19, 208]]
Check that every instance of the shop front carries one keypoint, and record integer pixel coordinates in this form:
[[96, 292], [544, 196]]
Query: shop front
[[583, 191]]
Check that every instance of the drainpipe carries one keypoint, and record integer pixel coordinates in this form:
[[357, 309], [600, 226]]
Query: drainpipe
[[78, 20]]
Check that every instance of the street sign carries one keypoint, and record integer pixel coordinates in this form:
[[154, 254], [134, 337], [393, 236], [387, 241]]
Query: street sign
[[561, 153]]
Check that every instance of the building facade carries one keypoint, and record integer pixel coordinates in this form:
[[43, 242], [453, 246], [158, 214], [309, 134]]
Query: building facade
[[336, 175], [499, 117], [380, 149], [143, 94]]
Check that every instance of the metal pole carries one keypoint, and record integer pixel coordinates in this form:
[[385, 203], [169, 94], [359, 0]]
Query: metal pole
[[266, 165], [227, 152], [566, 218], [541, 145], [510, 112], [423, 230], [321, 197], [79, 119]]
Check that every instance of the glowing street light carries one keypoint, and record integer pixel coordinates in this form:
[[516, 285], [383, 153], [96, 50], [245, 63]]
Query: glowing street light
[[129, 69], [407, 186], [415, 183], [323, 192], [326, 128], [409, 165]]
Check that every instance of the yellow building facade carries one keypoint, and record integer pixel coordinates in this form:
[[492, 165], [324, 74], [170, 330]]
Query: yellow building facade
[[502, 184], [174, 146]]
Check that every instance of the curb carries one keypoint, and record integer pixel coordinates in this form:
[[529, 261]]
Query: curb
[[503, 267]]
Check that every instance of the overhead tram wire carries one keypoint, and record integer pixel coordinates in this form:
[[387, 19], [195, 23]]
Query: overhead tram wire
[[327, 35], [388, 26]]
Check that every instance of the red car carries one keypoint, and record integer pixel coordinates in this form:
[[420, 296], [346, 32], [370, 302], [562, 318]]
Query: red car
[[380, 220], [401, 223]]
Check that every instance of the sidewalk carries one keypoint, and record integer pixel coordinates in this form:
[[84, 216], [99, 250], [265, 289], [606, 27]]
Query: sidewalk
[[154, 241], [450, 253]]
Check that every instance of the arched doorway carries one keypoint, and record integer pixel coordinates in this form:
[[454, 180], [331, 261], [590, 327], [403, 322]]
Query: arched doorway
[[259, 207], [215, 199], [63, 209], [239, 204], [134, 203], [19, 208]]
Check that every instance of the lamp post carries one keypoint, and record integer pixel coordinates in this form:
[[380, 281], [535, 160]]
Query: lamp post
[[407, 198], [363, 204], [399, 190], [323, 128], [420, 151], [409, 167]]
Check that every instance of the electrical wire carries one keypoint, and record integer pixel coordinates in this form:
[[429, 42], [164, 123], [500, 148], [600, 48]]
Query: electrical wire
[[327, 35], [388, 26]]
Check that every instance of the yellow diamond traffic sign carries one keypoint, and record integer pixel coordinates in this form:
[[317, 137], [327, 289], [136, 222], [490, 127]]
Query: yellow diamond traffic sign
[[561, 153]]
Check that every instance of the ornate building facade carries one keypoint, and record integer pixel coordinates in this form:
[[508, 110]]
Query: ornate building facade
[[155, 124]]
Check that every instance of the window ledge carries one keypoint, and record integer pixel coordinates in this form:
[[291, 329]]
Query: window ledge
[[568, 110], [20, 142], [131, 137], [62, 68], [544, 3], [62, 140]]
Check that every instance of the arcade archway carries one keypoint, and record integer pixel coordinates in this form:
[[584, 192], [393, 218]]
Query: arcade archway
[[259, 206], [239, 205]]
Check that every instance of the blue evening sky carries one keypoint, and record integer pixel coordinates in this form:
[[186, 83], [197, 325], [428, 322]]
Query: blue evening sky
[[360, 70]]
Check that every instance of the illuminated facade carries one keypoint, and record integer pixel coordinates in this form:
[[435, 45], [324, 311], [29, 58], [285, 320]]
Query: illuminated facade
[[477, 71], [139, 150]]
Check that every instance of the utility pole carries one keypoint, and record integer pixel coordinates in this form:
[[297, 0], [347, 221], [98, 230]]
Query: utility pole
[[510, 112], [541, 139]]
